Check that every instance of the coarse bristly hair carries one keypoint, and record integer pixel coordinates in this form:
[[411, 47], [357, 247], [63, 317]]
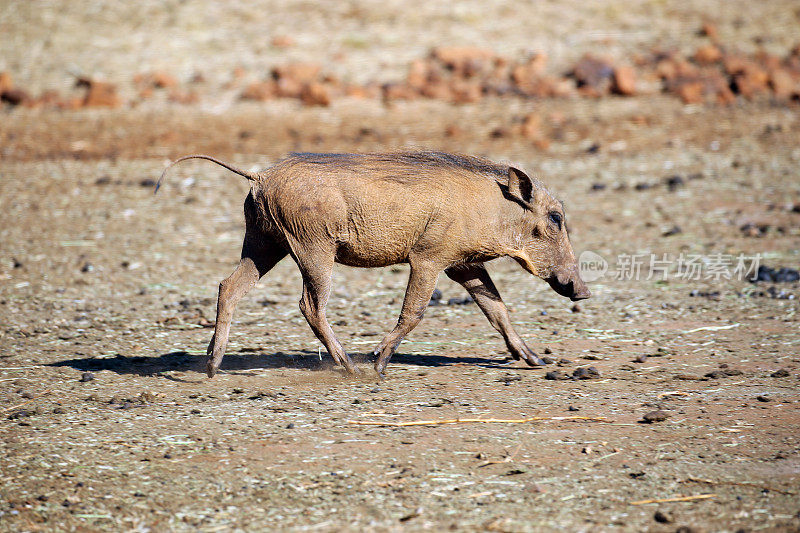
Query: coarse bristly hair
[[428, 159]]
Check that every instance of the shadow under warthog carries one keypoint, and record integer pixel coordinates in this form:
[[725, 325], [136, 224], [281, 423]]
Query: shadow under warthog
[[248, 359]]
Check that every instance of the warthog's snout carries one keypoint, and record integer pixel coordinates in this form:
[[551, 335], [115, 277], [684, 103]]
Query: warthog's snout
[[573, 287]]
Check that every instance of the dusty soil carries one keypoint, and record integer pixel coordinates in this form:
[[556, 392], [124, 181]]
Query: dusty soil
[[106, 293]]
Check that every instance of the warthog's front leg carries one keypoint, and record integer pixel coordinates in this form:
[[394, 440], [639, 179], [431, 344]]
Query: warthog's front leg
[[476, 280]]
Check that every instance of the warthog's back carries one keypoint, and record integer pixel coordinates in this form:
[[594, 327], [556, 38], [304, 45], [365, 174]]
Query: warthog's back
[[379, 208]]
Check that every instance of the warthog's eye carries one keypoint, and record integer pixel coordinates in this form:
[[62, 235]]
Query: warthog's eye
[[555, 218]]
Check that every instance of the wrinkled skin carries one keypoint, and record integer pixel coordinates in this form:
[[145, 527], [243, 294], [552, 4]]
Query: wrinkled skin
[[437, 212]]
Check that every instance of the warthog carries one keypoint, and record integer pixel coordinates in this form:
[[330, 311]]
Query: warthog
[[435, 211]]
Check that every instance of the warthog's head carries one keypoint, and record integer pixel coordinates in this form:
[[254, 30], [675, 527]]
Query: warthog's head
[[541, 241]]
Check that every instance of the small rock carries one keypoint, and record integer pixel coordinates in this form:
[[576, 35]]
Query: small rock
[[707, 54], [782, 373], [548, 351], [290, 426], [556, 375], [724, 373], [624, 81], [654, 416], [573, 409], [576, 308], [641, 359], [548, 360], [59, 411], [565, 362], [21, 413], [99, 94], [86, 376], [674, 230], [782, 275], [687, 377], [436, 297], [315, 94], [674, 182], [709, 30], [586, 373], [763, 398], [662, 518]]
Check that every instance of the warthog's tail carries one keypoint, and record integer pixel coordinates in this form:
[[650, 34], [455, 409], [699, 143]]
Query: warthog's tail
[[252, 176]]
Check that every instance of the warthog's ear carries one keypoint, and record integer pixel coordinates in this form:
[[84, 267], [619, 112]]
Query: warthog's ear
[[519, 184]]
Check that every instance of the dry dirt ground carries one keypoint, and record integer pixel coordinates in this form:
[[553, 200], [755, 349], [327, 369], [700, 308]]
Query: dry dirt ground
[[109, 423]]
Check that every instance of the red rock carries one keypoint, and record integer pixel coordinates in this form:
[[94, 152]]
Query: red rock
[[299, 72], [524, 74], [750, 81], [464, 61], [99, 93], [437, 90], [531, 126], [669, 69], [398, 91], [418, 74], [315, 93], [690, 91], [767, 61], [707, 54], [783, 84], [6, 83], [465, 92], [282, 41], [453, 131], [542, 143], [288, 88], [183, 97], [709, 30], [593, 75], [15, 97], [363, 91], [624, 81], [734, 64], [260, 91]]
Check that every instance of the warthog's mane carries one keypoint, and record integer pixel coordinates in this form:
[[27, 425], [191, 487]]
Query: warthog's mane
[[406, 162]]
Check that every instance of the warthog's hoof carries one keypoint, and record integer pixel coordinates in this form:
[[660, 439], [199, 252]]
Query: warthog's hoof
[[534, 360], [211, 370]]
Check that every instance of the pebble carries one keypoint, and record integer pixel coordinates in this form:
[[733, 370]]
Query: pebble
[[654, 416], [564, 362], [548, 360], [763, 398], [21, 413], [586, 373], [662, 518], [641, 359], [724, 373], [548, 351], [782, 373], [556, 375], [86, 376], [573, 408]]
